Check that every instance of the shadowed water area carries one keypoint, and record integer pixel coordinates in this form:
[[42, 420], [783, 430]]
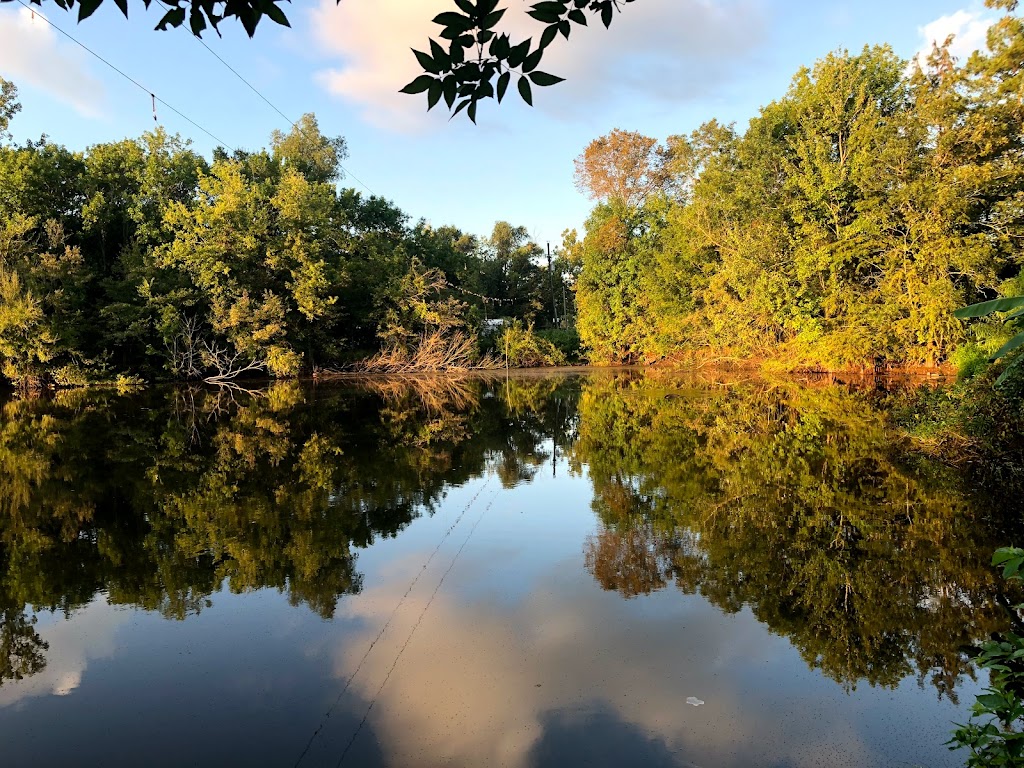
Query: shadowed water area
[[607, 569]]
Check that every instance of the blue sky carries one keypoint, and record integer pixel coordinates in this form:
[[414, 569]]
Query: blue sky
[[665, 67]]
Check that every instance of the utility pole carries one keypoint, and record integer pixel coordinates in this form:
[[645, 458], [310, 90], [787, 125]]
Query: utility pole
[[551, 287]]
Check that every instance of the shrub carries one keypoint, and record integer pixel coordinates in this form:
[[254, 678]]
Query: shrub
[[523, 348], [566, 341]]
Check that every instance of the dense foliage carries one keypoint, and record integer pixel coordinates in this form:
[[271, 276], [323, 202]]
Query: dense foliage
[[142, 258], [841, 230], [995, 733]]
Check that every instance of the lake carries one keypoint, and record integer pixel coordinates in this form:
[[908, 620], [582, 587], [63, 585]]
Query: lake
[[601, 569]]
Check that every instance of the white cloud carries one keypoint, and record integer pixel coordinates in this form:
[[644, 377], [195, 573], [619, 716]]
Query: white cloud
[[31, 53], [660, 51], [510, 674], [969, 29], [72, 645]]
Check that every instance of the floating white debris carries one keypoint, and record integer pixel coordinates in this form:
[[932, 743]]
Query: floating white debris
[[694, 701]]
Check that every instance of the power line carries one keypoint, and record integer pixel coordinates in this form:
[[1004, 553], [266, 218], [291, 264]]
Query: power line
[[269, 103], [412, 632], [130, 79], [387, 623]]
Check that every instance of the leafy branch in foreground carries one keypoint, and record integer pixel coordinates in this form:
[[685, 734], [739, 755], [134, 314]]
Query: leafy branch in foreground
[[473, 62], [998, 738], [1014, 307], [202, 14]]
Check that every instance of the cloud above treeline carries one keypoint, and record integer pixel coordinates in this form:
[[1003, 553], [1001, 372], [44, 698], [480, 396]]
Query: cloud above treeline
[[968, 28], [31, 54], [657, 52]]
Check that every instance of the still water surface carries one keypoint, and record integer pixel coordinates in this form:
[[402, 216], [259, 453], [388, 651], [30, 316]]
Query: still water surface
[[601, 570]]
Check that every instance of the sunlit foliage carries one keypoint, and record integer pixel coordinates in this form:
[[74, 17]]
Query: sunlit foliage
[[841, 230]]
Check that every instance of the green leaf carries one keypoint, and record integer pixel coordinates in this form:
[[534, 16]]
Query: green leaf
[[440, 56], [86, 8], [434, 94], [123, 5], [419, 85], [543, 78], [500, 47], [453, 20], [518, 53], [1009, 346], [173, 18], [549, 6], [530, 62], [450, 85], [525, 91], [578, 16], [548, 35], [503, 85], [466, 6], [988, 307], [197, 22], [456, 53], [277, 15], [426, 62], [472, 111], [1003, 554], [545, 18], [1009, 369], [491, 19]]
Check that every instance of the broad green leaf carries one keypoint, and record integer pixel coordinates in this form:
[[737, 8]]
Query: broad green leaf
[[1009, 346], [988, 307], [1009, 369]]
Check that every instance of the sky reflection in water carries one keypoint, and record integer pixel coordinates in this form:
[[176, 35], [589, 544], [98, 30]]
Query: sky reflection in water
[[208, 573]]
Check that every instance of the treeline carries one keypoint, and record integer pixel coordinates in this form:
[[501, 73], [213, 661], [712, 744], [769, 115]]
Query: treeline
[[840, 231], [142, 258]]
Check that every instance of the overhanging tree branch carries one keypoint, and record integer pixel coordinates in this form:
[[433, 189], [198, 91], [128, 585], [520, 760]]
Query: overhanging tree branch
[[472, 61]]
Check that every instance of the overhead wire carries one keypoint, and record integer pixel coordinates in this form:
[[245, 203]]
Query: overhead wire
[[269, 103], [390, 618], [412, 632], [127, 77]]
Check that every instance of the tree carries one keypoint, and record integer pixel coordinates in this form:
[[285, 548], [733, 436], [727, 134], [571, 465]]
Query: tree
[[9, 105], [472, 63], [623, 167]]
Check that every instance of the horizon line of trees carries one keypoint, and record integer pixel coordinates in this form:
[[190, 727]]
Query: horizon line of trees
[[840, 231], [140, 258]]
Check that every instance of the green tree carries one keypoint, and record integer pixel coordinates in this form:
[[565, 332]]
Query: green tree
[[9, 106]]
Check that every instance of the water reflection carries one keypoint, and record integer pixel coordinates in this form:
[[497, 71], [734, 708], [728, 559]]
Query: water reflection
[[795, 502], [788, 507]]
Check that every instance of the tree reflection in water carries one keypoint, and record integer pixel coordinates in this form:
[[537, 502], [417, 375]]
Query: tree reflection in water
[[791, 500], [798, 503]]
